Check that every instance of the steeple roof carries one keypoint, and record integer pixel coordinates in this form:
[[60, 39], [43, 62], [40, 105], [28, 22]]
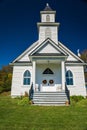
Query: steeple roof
[[48, 8]]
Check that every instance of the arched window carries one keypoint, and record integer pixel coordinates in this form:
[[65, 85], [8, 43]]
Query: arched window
[[47, 33], [48, 71], [69, 78], [47, 18], [26, 77]]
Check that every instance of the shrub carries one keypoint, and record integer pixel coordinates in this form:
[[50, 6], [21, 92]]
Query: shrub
[[76, 99], [24, 101], [82, 103]]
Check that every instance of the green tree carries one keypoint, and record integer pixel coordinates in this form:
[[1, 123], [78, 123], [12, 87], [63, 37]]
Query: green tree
[[84, 58], [5, 78], [84, 55]]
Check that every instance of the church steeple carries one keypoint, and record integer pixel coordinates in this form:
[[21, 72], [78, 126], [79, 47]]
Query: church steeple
[[47, 12], [48, 28], [47, 8]]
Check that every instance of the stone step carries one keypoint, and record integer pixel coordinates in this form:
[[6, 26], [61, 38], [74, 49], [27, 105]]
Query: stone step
[[50, 103], [53, 97], [59, 92], [50, 98], [49, 95]]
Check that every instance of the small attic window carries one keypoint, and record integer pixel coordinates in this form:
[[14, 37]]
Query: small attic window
[[47, 18], [48, 71]]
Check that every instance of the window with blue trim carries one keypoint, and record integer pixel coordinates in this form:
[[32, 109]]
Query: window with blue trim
[[69, 78], [26, 77]]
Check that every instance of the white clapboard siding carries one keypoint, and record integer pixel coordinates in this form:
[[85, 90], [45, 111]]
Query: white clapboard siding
[[52, 18], [78, 88], [48, 49], [17, 80], [54, 34]]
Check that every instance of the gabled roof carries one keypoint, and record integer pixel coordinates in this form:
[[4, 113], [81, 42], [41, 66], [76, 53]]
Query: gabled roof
[[70, 52], [61, 50], [55, 49], [26, 51]]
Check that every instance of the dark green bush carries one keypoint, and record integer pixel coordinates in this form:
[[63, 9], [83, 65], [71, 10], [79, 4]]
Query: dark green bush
[[76, 98]]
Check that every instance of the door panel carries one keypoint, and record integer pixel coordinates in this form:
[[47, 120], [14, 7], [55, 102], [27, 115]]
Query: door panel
[[48, 80]]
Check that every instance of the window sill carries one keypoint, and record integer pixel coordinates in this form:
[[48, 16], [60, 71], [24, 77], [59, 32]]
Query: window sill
[[71, 86], [25, 86]]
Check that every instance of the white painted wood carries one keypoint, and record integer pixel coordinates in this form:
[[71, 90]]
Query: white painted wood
[[25, 58], [52, 44], [56, 68], [43, 17], [34, 74], [78, 88], [50, 88], [63, 74], [54, 33], [48, 48], [72, 56], [26, 52], [38, 66], [17, 87]]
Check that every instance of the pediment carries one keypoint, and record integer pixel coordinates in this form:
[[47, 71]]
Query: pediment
[[48, 47]]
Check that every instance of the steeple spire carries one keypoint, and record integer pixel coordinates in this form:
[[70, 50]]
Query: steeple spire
[[47, 8], [47, 4]]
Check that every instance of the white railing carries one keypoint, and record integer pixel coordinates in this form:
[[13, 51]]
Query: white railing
[[50, 88], [36, 87]]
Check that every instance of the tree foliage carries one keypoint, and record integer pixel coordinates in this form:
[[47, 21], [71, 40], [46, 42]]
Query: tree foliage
[[84, 58], [5, 78], [84, 55]]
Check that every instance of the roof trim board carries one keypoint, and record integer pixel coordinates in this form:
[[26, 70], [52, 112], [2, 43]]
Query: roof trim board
[[69, 51], [50, 42], [27, 50]]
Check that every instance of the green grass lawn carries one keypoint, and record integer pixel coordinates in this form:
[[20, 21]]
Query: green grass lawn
[[28, 117]]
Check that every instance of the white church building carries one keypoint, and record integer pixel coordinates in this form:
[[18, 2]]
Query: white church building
[[48, 65]]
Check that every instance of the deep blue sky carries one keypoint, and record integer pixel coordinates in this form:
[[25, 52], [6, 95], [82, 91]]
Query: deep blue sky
[[18, 25]]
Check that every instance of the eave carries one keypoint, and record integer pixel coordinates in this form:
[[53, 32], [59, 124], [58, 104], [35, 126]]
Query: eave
[[46, 57], [48, 12], [74, 63], [23, 63], [48, 24]]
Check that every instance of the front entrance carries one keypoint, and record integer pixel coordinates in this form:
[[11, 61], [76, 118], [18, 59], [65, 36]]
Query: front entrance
[[48, 81], [48, 77]]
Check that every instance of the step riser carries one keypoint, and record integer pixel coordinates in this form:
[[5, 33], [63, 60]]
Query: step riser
[[50, 98], [50, 95]]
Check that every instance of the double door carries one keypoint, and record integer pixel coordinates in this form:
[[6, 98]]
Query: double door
[[48, 80]]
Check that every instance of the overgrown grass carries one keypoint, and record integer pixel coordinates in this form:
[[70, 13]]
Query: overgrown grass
[[28, 117]]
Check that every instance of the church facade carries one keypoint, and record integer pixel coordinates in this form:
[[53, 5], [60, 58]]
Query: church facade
[[48, 64]]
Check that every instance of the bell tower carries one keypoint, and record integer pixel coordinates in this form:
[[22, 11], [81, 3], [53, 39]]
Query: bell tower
[[48, 28]]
